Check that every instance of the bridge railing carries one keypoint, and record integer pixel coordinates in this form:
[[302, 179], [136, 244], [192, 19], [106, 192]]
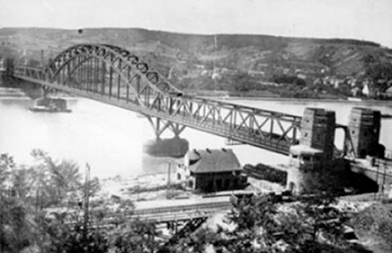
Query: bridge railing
[[28, 71]]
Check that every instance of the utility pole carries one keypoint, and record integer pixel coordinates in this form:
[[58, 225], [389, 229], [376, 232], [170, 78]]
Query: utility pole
[[42, 58], [86, 199], [168, 182], [383, 178], [216, 48]]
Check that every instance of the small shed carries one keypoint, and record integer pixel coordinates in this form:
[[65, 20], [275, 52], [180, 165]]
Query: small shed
[[212, 170]]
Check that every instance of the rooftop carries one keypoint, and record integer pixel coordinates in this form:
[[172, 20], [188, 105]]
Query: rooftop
[[213, 160]]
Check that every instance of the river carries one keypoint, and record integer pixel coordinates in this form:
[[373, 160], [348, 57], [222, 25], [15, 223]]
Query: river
[[111, 139]]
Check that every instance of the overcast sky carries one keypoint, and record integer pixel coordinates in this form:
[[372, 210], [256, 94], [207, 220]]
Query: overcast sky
[[357, 19]]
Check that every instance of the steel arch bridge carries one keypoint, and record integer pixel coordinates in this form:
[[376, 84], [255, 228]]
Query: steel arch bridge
[[115, 76]]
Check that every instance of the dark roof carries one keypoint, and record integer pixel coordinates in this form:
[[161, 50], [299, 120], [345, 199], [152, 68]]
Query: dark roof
[[214, 160]]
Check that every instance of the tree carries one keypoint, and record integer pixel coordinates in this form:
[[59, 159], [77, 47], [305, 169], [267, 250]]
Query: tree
[[7, 165], [22, 182], [18, 228], [56, 180], [241, 82], [69, 239], [137, 236], [24, 191]]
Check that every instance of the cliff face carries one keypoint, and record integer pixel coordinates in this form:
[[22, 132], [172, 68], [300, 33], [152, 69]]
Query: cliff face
[[185, 57]]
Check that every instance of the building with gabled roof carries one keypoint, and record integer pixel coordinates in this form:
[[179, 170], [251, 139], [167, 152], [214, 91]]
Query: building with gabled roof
[[211, 170]]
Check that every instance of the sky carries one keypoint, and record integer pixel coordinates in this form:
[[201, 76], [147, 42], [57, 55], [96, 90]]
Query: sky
[[356, 19]]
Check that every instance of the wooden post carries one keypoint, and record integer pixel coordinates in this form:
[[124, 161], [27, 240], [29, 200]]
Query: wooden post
[[86, 199]]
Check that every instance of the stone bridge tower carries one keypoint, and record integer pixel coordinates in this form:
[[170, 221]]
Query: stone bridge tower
[[364, 132], [312, 157], [313, 164], [318, 131]]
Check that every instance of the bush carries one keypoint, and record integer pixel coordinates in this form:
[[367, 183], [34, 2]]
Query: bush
[[66, 239]]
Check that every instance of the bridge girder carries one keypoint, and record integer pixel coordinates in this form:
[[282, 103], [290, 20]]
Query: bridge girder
[[115, 76], [160, 125]]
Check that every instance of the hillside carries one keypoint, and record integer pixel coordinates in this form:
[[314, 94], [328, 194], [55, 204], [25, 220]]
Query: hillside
[[235, 63]]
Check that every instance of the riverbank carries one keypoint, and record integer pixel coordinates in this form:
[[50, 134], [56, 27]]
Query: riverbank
[[155, 186], [305, 100], [12, 93], [25, 91]]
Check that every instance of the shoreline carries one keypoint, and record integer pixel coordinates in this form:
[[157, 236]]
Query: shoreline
[[145, 187], [288, 100], [9, 93], [303, 100]]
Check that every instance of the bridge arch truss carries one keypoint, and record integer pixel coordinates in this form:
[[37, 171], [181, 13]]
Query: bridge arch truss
[[115, 76]]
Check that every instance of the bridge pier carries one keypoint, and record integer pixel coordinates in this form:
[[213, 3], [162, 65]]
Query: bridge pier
[[160, 126], [173, 147], [45, 91]]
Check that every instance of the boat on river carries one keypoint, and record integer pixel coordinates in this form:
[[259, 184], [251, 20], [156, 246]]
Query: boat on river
[[50, 105]]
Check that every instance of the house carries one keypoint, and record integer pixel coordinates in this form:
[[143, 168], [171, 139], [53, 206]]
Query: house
[[211, 170], [366, 89]]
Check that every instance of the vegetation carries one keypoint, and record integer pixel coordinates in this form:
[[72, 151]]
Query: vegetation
[[374, 225], [137, 237], [266, 224], [238, 64], [28, 222], [64, 239]]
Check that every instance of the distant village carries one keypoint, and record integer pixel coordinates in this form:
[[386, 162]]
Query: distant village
[[325, 86]]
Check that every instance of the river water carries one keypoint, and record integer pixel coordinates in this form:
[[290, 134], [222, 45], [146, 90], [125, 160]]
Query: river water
[[111, 139]]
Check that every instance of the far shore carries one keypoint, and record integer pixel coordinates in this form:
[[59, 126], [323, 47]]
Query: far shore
[[11, 95], [302, 100]]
